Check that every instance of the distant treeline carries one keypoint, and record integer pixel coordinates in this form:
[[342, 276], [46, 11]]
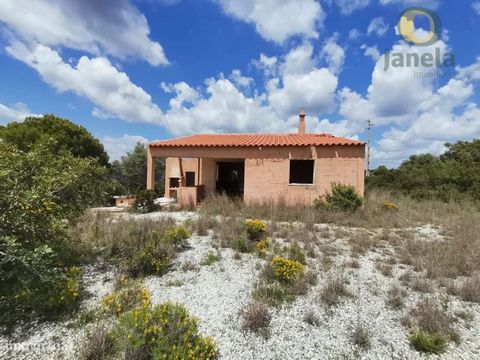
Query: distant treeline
[[454, 175]]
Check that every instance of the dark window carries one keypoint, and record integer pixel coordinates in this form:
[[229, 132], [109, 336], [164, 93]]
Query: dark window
[[174, 182], [190, 178], [301, 171]]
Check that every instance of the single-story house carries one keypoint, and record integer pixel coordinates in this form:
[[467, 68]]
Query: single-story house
[[296, 168]]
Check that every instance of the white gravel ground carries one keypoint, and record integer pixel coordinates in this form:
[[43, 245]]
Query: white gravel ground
[[217, 293]]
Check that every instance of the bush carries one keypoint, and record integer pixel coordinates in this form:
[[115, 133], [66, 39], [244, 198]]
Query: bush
[[341, 197], [242, 244], [256, 317], [154, 258], [431, 326], [165, 331], [389, 206], [286, 270], [177, 236], [256, 229], [296, 253], [42, 192], [262, 247], [144, 202], [427, 342], [128, 296]]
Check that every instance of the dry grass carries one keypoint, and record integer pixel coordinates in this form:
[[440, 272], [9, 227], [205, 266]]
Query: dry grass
[[396, 297], [430, 317], [361, 336], [470, 290], [256, 318], [334, 291], [98, 344], [385, 269], [312, 319], [457, 255]]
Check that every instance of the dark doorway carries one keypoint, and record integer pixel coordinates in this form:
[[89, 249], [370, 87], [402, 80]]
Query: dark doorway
[[230, 178], [190, 178]]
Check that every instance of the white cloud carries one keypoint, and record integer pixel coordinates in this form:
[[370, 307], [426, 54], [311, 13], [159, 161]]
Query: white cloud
[[471, 72], [315, 91], [16, 113], [117, 147], [224, 108], [432, 4], [378, 27], [292, 82], [371, 51], [97, 79], [268, 64], [428, 134], [113, 27], [349, 6], [334, 55], [240, 80], [184, 94], [354, 34], [476, 6], [277, 20]]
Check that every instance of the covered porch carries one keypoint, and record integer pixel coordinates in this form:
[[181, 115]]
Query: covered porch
[[191, 175]]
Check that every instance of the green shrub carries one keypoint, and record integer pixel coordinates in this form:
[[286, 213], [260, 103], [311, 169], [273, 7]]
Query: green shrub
[[130, 295], [286, 270], [144, 202], [256, 229], [165, 331], [341, 197], [242, 244], [177, 236], [210, 259], [427, 342], [296, 253], [153, 258]]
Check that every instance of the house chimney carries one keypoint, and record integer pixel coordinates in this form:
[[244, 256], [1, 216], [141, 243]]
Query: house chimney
[[301, 122]]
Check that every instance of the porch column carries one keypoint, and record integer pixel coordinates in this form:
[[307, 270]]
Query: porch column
[[150, 170]]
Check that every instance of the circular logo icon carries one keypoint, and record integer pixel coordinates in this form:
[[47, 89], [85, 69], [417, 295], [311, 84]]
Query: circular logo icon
[[414, 36]]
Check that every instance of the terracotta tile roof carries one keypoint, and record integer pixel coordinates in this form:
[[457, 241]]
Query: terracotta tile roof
[[227, 140]]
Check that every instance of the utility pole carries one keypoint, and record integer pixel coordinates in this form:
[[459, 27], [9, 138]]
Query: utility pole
[[369, 145]]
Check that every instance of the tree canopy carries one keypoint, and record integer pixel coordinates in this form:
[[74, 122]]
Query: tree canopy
[[131, 171], [67, 135]]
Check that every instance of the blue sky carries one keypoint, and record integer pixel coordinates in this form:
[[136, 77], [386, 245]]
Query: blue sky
[[152, 69]]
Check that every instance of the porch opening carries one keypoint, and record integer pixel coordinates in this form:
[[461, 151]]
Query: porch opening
[[302, 171], [230, 178]]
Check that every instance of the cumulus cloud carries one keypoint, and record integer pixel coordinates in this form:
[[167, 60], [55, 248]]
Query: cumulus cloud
[[97, 79], [334, 55], [378, 27], [371, 51], [422, 115], [116, 147], [222, 105], [277, 20], [16, 113], [113, 27]]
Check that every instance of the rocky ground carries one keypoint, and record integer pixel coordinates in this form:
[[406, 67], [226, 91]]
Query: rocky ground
[[217, 293]]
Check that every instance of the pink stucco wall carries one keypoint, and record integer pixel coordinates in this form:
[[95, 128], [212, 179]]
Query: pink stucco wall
[[267, 169]]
